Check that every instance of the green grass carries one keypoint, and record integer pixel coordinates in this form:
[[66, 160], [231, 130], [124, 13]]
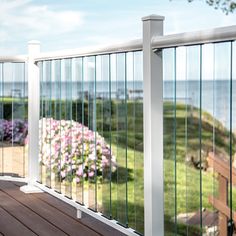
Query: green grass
[[177, 162], [188, 132]]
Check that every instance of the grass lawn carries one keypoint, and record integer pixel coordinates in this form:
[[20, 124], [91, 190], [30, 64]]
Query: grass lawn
[[182, 196]]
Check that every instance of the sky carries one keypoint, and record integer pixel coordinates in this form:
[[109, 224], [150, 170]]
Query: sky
[[66, 24]]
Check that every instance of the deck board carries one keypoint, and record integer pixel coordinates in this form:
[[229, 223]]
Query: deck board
[[29, 218], [43, 214], [6, 223], [101, 228]]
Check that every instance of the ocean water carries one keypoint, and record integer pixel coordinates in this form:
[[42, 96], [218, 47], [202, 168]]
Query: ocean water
[[215, 95]]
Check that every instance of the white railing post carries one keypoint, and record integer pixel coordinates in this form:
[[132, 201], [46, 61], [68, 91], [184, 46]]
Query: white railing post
[[33, 118], [153, 128]]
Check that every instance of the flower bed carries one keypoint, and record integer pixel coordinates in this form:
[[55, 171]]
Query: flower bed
[[13, 131], [73, 152]]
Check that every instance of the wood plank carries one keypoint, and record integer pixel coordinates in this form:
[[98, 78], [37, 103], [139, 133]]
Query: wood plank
[[7, 222], [221, 165], [65, 223], [29, 218], [223, 198], [87, 220], [216, 203]]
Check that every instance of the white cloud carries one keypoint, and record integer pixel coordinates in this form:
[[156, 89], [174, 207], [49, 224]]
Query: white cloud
[[24, 20], [64, 24]]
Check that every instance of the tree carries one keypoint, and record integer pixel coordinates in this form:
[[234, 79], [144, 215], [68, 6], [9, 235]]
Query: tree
[[227, 6]]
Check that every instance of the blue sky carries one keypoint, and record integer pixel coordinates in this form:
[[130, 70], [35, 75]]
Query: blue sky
[[63, 24]]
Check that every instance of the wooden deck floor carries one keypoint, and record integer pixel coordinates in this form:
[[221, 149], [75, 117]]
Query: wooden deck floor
[[42, 214]]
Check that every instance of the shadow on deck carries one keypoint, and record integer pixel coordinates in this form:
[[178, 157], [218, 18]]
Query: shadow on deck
[[43, 214]]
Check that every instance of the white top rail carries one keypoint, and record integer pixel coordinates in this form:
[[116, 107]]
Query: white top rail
[[13, 59], [215, 35], [134, 45]]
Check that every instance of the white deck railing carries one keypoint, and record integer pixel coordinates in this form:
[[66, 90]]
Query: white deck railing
[[153, 108]]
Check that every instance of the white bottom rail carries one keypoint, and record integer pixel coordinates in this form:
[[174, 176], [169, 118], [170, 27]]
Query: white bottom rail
[[80, 208]]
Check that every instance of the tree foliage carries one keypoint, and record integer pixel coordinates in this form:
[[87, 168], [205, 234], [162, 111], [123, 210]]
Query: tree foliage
[[227, 6]]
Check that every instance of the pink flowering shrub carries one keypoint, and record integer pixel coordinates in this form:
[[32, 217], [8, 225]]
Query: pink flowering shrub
[[13, 131], [72, 151]]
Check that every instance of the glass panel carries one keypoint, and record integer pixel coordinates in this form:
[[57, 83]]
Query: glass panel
[[105, 87], [19, 127], [48, 121], [233, 119], [1, 120], [89, 106], [193, 143], [121, 157], [207, 136], [169, 110], [92, 155], [99, 127], [138, 142], [221, 111], [180, 140], [26, 120], [67, 139], [12, 119], [114, 121], [76, 129], [80, 119], [41, 122], [7, 115], [130, 97], [56, 126]]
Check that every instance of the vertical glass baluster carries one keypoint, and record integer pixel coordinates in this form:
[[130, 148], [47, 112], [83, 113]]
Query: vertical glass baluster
[[106, 129], [24, 103], [86, 117], [207, 135], [169, 139], [180, 138], [231, 224], [193, 155], [121, 139], [1, 119], [74, 133], [4, 119], [233, 113], [63, 126], [99, 128], [53, 156], [7, 115], [68, 128], [114, 120], [53, 127], [222, 120], [41, 116], [56, 168], [26, 120], [92, 155], [130, 91], [138, 141], [48, 114], [112, 157], [18, 130], [79, 118]]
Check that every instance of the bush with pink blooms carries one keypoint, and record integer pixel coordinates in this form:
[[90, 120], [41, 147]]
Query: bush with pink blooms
[[13, 131], [72, 151]]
